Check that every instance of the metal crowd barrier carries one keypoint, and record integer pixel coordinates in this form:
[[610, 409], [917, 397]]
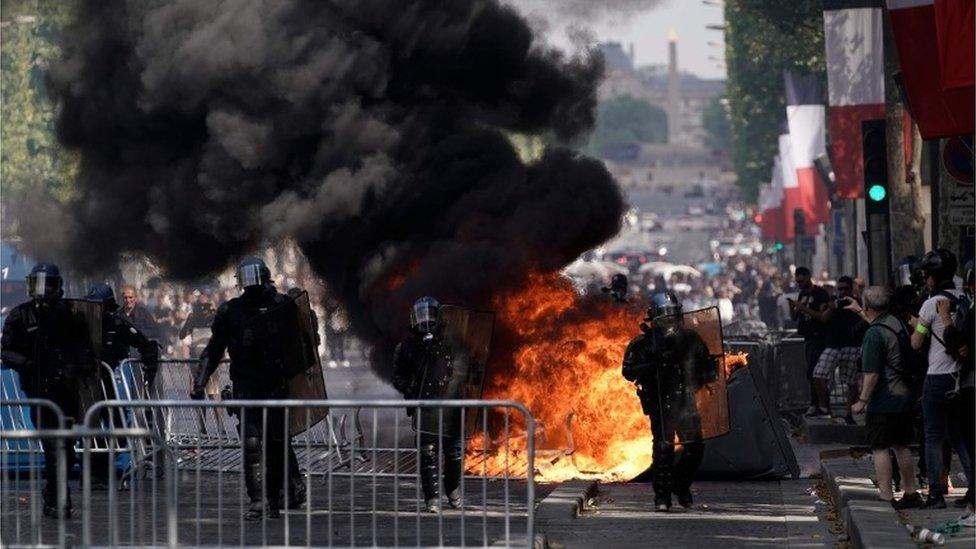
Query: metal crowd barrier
[[365, 507], [143, 515], [19, 414]]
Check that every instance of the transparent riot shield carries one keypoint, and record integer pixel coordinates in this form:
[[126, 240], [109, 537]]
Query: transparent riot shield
[[468, 332], [83, 353], [690, 378], [288, 334]]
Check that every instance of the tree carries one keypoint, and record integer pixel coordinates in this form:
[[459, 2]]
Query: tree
[[715, 120], [763, 38], [30, 157], [623, 121]]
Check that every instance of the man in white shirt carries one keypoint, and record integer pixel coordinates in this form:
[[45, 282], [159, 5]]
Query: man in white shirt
[[939, 267]]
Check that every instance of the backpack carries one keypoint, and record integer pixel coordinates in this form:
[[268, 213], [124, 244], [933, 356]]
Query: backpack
[[914, 364], [960, 305]]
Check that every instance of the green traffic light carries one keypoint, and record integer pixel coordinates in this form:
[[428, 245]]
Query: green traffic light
[[877, 192], [779, 246]]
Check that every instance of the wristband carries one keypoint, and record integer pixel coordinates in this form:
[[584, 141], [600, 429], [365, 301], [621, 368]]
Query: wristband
[[922, 329], [862, 401]]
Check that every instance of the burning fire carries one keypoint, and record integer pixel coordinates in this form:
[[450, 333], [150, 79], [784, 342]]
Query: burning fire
[[566, 368]]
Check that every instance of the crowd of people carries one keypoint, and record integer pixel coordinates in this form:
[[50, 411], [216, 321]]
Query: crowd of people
[[906, 355]]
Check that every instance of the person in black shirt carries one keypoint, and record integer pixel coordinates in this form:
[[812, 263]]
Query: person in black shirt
[[842, 338], [808, 310]]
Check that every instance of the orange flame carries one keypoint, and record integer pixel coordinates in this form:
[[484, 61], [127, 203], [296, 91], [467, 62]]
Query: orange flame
[[566, 368]]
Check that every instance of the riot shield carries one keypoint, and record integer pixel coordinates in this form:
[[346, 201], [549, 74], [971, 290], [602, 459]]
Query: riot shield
[[469, 332], [83, 352], [692, 381], [290, 332], [472, 330]]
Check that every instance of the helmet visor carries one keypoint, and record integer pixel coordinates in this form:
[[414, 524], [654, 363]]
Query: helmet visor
[[248, 275], [42, 285], [423, 315]]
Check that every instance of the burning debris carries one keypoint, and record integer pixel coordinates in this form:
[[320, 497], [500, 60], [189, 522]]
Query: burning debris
[[373, 132]]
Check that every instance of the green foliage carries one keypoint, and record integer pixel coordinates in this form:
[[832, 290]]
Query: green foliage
[[30, 157], [715, 120], [623, 121], [762, 39]]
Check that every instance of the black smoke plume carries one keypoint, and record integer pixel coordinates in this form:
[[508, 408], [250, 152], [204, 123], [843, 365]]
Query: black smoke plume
[[373, 132]]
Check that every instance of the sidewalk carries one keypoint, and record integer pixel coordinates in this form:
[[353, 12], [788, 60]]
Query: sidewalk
[[871, 522]]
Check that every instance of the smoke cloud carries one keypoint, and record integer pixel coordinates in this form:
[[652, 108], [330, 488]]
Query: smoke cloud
[[373, 132]]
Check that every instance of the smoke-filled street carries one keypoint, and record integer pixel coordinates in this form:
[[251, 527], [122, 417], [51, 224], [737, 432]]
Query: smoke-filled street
[[547, 273]]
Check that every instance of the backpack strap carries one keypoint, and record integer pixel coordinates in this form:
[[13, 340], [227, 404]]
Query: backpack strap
[[901, 346]]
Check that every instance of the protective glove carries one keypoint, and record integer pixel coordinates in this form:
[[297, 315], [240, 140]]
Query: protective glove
[[198, 393]]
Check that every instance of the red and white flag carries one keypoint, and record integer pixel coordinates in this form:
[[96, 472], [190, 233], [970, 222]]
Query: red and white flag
[[806, 118], [939, 104], [855, 84]]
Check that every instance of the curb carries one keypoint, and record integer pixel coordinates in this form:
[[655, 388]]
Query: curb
[[540, 542], [566, 501], [869, 522]]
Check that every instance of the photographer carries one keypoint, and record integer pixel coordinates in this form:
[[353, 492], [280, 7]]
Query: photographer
[[808, 310], [887, 396], [842, 329], [943, 376]]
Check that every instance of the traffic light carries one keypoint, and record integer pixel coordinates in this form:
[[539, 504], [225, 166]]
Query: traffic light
[[799, 223], [875, 157], [758, 218], [779, 246], [875, 162]]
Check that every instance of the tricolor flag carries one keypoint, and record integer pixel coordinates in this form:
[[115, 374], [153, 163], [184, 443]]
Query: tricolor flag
[[956, 38], [942, 105], [805, 116], [771, 205], [791, 186], [855, 84]]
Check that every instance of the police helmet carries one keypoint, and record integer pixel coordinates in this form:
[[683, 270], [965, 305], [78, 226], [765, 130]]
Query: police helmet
[[940, 264], [663, 304], [909, 272], [104, 293], [425, 314], [252, 271], [44, 281]]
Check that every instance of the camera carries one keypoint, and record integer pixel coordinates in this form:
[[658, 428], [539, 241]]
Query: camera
[[842, 302]]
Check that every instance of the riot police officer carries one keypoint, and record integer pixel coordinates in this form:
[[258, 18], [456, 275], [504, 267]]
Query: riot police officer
[[424, 366], [37, 344], [257, 371], [668, 362]]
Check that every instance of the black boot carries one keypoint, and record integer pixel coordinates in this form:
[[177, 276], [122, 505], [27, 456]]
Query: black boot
[[428, 477], [254, 479], [50, 499]]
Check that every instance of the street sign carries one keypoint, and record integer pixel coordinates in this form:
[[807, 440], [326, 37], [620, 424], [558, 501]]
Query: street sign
[[840, 247], [808, 245], [957, 163]]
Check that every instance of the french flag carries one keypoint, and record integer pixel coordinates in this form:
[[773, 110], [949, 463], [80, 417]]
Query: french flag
[[938, 80], [855, 84], [771, 205], [791, 185], [805, 114]]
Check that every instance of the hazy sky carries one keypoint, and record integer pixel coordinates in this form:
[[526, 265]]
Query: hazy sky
[[649, 33], [643, 22]]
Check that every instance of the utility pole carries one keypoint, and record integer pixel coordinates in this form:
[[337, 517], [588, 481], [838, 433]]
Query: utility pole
[[904, 173]]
